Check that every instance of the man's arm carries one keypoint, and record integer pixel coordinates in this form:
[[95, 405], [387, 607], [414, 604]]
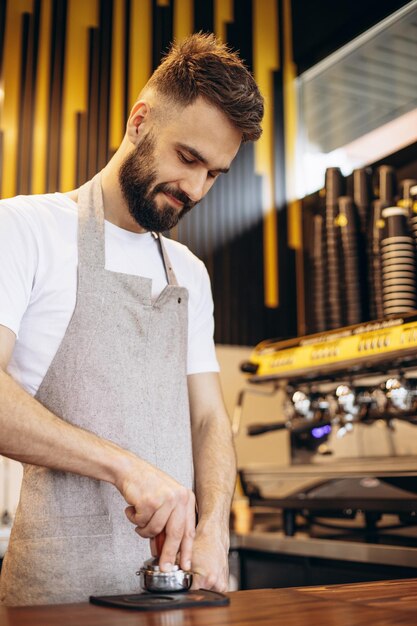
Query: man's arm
[[215, 477], [31, 434]]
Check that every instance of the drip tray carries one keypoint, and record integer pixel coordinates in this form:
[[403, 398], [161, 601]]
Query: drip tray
[[162, 601]]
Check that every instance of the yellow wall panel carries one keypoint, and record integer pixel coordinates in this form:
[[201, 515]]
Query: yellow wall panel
[[290, 126], [40, 134], [266, 60], [117, 111], [10, 115], [223, 14], [183, 18], [140, 53], [81, 16]]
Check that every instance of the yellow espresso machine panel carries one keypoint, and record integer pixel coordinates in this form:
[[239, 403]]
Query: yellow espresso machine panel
[[370, 346]]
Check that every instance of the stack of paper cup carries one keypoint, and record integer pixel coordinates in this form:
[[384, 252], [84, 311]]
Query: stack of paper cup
[[349, 274], [398, 263]]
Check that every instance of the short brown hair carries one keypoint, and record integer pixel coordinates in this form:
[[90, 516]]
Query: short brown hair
[[203, 66]]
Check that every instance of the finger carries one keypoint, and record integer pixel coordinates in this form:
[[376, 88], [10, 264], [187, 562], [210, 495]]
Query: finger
[[187, 542], [207, 580], [130, 512], [171, 547], [154, 550], [174, 531], [139, 518], [198, 579], [156, 523]]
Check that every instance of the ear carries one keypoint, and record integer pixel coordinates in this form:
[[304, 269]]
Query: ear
[[137, 118]]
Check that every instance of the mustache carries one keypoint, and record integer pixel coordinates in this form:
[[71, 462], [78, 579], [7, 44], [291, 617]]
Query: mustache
[[175, 193]]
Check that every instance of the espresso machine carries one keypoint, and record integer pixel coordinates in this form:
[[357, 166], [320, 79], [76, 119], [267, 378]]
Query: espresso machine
[[337, 384]]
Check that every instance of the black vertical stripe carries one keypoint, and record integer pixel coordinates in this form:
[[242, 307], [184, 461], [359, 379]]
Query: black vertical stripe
[[59, 21], [238, 278], [93, 128], [103, 119], [127, 104], [3, 13], [162, 25], [34, 63], [204, 15], [240, 31], [227, 254], [81, 171], [220, 278], [93, 101], [21, 178], [248, 208], [29, 61], [278, 108], [208, 239], [254, 265], [219, 288]]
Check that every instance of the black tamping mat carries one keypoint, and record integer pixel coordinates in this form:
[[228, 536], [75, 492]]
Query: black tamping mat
[[162, 601]]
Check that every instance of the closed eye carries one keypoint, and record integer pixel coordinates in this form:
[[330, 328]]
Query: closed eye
[[184, 159]]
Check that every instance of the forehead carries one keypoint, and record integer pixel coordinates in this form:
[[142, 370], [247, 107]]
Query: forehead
[[207, 130]]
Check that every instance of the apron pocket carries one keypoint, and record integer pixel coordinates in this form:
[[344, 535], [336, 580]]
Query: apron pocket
[[71, 526]]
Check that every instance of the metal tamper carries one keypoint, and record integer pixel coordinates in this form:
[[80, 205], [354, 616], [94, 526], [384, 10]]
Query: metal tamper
[[152, 579]]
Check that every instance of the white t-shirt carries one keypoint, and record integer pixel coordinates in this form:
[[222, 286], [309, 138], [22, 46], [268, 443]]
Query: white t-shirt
[[38, 281]]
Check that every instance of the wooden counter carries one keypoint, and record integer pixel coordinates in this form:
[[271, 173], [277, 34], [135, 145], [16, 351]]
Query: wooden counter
[[388, 603]]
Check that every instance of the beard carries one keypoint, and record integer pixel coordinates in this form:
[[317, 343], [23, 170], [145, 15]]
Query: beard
[[137, 177]]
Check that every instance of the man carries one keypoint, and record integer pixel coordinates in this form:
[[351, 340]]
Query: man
[[109, 326]]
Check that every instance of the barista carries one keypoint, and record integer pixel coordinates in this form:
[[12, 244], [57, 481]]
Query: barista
[[109, 391]]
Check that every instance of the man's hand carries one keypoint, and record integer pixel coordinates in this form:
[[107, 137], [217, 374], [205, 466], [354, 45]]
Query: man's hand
[[210, 562], [158, 502]]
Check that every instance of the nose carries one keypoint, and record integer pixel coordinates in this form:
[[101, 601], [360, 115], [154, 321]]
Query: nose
[[194, 185]]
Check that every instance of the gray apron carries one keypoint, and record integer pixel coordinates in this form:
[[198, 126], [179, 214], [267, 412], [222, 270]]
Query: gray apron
[[119, 372]]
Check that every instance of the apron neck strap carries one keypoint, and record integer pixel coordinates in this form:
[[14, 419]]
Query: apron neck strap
[[171, 278], [91, 246], [91, 249]]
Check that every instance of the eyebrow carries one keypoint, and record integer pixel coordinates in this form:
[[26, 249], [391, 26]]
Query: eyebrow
[[195, 153]]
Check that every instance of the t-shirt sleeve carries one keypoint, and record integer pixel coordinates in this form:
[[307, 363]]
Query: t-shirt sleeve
[[18, 262], [201, 349]]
